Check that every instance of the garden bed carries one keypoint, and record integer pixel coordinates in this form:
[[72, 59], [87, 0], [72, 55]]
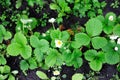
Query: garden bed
[[27, 24]]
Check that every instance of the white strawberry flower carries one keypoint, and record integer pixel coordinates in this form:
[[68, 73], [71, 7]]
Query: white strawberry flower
[[111, 18], [118, 41], [116, 48], [56, 72], [58, 43], [113, 37], [43, 34], [52, 20]]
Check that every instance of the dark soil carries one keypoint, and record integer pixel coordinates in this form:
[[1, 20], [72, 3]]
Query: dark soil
[[107, 71]]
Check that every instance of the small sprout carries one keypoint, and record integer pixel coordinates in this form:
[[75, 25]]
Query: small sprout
[[113, 37], [111, 18], [58, 43], [25, 21], [18, 28], [118, 41], [53, 78], [52, 20], [56, 72], [116, 48]]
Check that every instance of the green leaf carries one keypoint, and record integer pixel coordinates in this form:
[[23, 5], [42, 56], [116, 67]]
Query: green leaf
[[42, 75], [44, 45], [98, 42], [96, 65], [51, 59], [38, 54], [2, 60], [77, 62], [32, 63], [14, 49], [4, 69], [20, 38], [34, 41], [55, 34], [94, 27], [65, 35], [108, 29], [26, 52], [77, 76], [2, 30], [18, 4], [75, 44], [116, 30], [112, 57], [82, 38], [7, 36], [53, 6], [90, 55], [24, 65], [11, 77]]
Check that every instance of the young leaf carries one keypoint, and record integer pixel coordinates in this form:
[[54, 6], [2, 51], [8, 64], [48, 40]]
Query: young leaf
[[26, 52], [2, 60], [116, 30], [51, 59], [112, 57], [55, 34], [94, 27], [32, 63], [11, 77], [96, 65], [20, 38], [42, 75], [14, 49], [24, 65], [82, 38], [98, 42], [90, 55], [53, 6], [65, 35], [77, 76]]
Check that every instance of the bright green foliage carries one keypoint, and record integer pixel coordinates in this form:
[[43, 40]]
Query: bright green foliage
[[94, 27], [18, 4], [32, 63], [73, 58], [11, 77], [2, 60], [96, 59], [77, 76], [89, 7], [82, 38], [4, 35], [62, 8], [4, 69], [98, 42], [52, 57], [111, 56], [116, 30], [42, 75], [42, 45], [57, 34], [24, 65], [19, 46]]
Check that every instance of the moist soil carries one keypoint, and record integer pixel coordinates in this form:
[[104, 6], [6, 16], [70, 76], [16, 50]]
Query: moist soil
[[107, 71]]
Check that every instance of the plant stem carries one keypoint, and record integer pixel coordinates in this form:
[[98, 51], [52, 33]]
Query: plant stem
[[53, 26]]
